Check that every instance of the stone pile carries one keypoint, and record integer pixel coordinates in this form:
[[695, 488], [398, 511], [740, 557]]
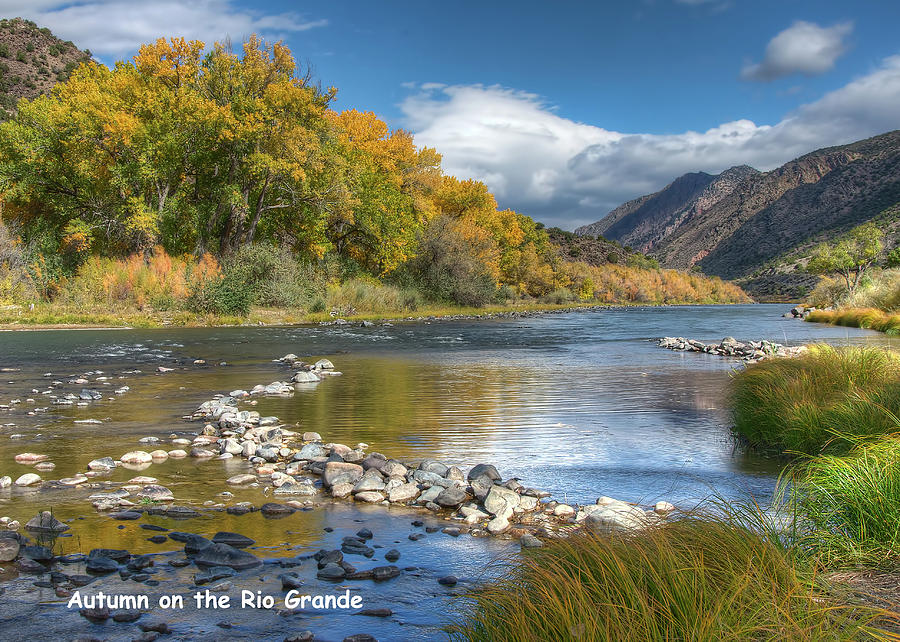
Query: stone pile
[[749, 351]]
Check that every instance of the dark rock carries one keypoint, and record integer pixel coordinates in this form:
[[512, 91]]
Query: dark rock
[[126, 515], [332, 572], [364, 533], [212, 574], [275, 510], [290, 581], [178, 536], [100, 565], [153, 527], [448, 580], [381, 573], [38, 553], [376, 612], [360, 637], [329, 557], [225, 555], [452, 531], [374, 460], [451, 497], [238, 510], [195, 543], [95, 615], [82, 580], [392, 555], [484, 470], [415, 537], [303, 636], [158, 539], [181, 512], [116, 554], [233, 539]]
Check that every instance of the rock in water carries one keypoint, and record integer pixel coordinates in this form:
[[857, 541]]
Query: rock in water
[[45, 522], [225, 555]]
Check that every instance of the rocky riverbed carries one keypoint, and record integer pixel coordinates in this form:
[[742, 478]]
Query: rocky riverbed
[[293, 472], [747, 351]]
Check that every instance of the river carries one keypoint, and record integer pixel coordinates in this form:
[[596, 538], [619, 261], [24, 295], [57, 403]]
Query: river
[[581, 404]]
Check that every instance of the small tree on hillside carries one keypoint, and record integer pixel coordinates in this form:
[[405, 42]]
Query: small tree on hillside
[[849, 257]]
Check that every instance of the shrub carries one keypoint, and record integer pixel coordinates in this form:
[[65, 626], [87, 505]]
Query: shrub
[[226, 295], [452, 267], [849, 505], [273, 276], [817, 402], [691, 579], [16, 285]]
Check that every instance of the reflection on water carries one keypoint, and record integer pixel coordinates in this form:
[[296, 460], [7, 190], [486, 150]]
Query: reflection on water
[[580, 404]]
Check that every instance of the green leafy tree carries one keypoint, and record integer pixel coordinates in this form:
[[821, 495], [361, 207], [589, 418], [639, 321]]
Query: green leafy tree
[[851, 256]]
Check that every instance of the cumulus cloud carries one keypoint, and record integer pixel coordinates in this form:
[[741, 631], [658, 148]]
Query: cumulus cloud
[[568, 173], [803, 48], [117, 27]]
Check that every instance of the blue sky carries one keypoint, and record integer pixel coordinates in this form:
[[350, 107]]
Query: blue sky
[[564, 108]]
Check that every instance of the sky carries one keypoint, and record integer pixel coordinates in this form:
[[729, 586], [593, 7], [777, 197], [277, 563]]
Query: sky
[[568, 108]]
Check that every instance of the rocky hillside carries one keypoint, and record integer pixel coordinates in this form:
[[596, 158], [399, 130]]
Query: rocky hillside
[[32, 60], [745, 224], [588, 249]]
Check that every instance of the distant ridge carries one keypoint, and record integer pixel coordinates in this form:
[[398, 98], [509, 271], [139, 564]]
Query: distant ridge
[[746, 224]]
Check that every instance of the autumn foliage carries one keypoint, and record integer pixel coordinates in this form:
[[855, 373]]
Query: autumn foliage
[[141, 179]]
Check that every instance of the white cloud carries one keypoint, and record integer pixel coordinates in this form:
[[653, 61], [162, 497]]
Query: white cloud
[[803, 48], [117, 27], [567, 173]]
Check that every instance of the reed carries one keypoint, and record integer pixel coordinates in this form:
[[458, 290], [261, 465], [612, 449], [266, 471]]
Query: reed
[[818, 402], [848, 506], [691, 579]]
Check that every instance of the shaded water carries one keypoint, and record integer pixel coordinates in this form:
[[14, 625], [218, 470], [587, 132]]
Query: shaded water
[[580, 404]]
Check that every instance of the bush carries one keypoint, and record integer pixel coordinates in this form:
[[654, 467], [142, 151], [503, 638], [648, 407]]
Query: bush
[[362, 296], [452, 267], [691, 579], [227, 295], [849, 505], [817, 402], [274, 277], [16, 285]]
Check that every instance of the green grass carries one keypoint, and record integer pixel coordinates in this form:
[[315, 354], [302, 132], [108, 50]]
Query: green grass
[[818, 402], [692, 579], [867, 318], [849, 507]]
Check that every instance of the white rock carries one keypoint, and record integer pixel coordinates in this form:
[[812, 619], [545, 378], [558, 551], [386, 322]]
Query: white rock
[[28, 479], [136, 457]]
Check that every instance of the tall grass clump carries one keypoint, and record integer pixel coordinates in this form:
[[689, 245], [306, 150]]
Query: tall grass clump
[[866, 318], [691, 579], [817, 402], [369, 296], [849, 506]]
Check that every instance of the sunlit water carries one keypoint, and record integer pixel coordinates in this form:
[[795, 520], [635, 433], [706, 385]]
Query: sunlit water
[[579, 404]]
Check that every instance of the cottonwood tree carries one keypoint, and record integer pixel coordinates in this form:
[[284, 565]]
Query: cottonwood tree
[[851, 256]]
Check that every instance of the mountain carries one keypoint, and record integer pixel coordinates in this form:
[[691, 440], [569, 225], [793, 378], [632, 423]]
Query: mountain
[[755, 226], [32, 60]]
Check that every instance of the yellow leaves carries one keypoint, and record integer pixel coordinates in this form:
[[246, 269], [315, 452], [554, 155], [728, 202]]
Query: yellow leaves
[[174, 62]]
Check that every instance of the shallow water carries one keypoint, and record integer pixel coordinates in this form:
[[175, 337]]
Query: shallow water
[[579, 404]]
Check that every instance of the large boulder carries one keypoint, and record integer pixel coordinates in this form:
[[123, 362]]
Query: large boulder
[[341, 473], [451, 497], [616, 517], [136, 457], [484, 470], [501, 502], [372, 480], [403, 493]]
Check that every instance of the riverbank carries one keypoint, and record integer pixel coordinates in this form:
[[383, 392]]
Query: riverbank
[[52, 317], [865, 318]]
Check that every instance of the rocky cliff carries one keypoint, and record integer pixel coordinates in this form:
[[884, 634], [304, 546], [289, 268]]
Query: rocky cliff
[[745, 223]]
